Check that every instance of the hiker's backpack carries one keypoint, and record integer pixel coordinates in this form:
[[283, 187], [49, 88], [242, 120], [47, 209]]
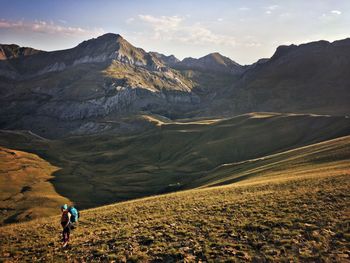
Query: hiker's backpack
[[74, 214]]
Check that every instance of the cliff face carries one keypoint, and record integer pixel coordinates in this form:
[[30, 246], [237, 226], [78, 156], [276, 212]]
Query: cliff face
[[125, 99]]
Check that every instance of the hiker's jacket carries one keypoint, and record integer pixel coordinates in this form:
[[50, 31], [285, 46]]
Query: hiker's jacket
[[65, 217]]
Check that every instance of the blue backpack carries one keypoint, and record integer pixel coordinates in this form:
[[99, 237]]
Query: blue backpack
[[74, 214]]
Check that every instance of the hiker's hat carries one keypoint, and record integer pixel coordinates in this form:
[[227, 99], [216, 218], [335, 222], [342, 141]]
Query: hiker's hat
[[64, 207]]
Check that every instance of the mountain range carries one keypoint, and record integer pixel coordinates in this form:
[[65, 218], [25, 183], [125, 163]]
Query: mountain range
[[96, 86]]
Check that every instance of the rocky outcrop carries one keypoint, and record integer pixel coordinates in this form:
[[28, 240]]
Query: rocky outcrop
[[73, 110], [125, 99]]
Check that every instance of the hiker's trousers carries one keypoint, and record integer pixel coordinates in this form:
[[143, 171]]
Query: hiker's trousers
[[65, 232]]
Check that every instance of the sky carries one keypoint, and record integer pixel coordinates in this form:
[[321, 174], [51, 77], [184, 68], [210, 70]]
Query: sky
[[243, 30]]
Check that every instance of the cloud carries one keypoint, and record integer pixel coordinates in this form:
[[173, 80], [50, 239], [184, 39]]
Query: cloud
[[62, 21], [163, 23], [243, 8], [336, 12], [174, 28], [130, 20], [272, 7], [198, 34], [40, 26], [252, 44], [285, 15], [330, 16]]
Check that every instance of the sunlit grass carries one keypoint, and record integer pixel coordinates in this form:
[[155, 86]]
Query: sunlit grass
[[296, 219], [26, 192]]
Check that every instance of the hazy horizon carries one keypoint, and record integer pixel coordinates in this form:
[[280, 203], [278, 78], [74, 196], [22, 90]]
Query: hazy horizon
[[243, 31]]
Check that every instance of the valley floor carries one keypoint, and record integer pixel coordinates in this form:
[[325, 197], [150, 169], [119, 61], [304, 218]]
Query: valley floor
[[304, 217]]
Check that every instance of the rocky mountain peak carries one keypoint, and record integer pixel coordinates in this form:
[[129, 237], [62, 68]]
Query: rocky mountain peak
[[114, 46], [212, 62], [217, 58], [104, 40]]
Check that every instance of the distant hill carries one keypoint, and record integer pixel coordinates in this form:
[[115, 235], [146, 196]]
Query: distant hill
[[312, 77]]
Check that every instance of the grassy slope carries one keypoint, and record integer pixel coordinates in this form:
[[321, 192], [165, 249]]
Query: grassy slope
[[298, 161], [173, 156], [26, 192], [291, 213]]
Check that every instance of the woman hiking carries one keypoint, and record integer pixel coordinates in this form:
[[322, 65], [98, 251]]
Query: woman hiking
[[66, 224]]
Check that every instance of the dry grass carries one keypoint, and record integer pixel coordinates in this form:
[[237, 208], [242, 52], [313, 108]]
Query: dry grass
[[26, 191], [329, 156], [301, 218]]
